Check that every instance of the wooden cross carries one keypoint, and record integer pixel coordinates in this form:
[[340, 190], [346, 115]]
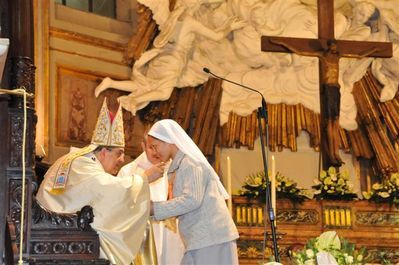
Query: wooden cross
[[329, 51]]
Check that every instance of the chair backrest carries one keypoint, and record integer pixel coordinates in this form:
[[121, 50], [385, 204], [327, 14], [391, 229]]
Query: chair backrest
[[56, 238]]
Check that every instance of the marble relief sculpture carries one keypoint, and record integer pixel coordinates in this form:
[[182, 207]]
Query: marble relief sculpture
[[166, 66], [224, 36], [78, 118]]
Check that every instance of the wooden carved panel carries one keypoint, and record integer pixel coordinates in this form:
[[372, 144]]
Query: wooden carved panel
[[72, 262], [24, 74], [16, 133], [391, 256], [297, 216], [14, 202], [77, 109], [251, 251], [386, 219]]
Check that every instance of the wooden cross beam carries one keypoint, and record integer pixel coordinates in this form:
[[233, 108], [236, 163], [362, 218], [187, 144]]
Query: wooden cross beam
[[329, 51]]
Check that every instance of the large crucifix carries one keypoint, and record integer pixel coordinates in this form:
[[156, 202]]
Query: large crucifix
[[329, 51]]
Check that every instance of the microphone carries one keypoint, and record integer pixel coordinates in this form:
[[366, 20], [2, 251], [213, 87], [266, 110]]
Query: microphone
[[264, 112]]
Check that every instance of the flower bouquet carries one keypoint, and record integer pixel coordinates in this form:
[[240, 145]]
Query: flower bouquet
[[333, 185], [255, 187], [328, 249], [385, 192]]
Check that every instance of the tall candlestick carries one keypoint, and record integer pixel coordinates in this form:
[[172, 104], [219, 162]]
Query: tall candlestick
[[230, 200], [273, 187]]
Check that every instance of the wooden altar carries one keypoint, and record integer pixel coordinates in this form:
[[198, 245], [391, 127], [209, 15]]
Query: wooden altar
[[366, 224]]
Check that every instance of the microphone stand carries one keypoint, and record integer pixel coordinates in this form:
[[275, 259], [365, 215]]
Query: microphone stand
[[261, 114]]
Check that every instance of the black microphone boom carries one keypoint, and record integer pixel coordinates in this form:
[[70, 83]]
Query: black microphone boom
[[262, 113], [264, 108], [206, 70]]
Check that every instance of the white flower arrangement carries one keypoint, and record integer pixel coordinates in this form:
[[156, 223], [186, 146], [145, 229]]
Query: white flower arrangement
[[385, 192], [328, 249], [333, 185], [255, 187]]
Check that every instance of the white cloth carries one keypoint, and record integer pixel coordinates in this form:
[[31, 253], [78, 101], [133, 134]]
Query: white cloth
[[171, 132], [120, 205], [158, 188], [170, 248], [326, 258]]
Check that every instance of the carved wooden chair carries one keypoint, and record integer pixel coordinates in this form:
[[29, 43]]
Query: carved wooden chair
[[56, 238], [49, 238]]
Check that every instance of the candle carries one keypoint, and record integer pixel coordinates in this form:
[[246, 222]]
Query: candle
[[326, 217], [343, 217], [230, 200], [338, 221], [249, 215], [273, 188], [254, 215], [260, 215], [332, 217], [238, 214], [348, 217]]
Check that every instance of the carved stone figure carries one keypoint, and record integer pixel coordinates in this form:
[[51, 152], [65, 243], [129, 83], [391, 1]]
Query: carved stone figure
[[78, 118], [177, 61], [164, 67]]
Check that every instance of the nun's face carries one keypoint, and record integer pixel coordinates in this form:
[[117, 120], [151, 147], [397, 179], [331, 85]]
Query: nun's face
[[152, 156], [162, 149]]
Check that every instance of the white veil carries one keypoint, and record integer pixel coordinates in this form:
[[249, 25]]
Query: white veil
[[171, 132]]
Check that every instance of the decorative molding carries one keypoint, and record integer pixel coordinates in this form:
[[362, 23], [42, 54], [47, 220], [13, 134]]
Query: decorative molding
[[377, 255], [72, 262], [16, 125], [88, 56], [360, 219], [14, 202], [253, 216], [253, 250], [76, 109], [47, 219], [57, 247], [86, 39], [23, 74], [377, 219], [295, 216], [16, 128]]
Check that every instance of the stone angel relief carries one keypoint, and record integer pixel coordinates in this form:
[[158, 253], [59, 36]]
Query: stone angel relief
[[224, 35], [159, 70], [382, 18]]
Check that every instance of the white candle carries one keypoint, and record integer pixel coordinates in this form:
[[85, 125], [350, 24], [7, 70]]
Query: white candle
[[273, 186], [230, 200]]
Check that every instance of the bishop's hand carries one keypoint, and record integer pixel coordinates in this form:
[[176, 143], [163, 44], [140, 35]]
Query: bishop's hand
[[155, 172]]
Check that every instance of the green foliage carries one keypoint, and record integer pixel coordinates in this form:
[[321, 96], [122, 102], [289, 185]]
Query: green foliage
[[344, 252], [333, 185], [255, 187], [385, 192]]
